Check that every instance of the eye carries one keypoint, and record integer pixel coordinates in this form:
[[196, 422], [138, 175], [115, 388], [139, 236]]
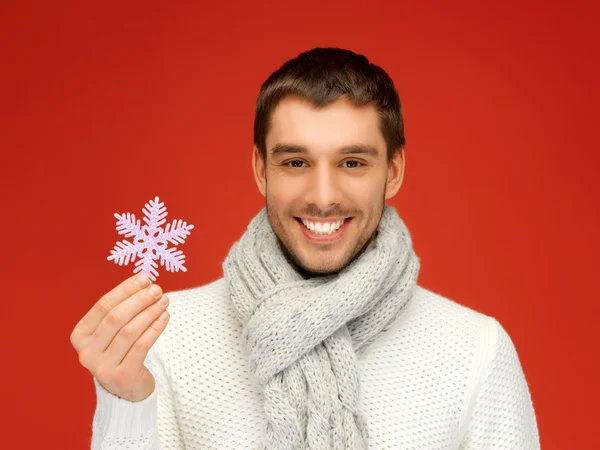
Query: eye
[[294, 161], [354, 162]]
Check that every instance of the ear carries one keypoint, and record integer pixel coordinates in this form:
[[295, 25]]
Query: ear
[[259, 167], [395, 174]]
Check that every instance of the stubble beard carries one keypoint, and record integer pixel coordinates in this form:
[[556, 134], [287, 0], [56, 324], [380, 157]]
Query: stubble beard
[[306, 272]]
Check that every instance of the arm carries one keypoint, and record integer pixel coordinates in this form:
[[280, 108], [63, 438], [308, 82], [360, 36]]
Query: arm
[[503, 416], [150, 424]]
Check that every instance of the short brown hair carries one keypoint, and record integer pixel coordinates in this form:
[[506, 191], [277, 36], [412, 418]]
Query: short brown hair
[[321, 76]]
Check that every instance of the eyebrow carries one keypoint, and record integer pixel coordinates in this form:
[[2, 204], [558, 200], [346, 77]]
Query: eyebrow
[[354, 149]]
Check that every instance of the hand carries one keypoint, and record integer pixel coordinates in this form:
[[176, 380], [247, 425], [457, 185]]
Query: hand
[[115, 335]]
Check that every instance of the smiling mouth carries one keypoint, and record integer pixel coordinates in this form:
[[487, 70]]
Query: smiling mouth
[[325, 228]]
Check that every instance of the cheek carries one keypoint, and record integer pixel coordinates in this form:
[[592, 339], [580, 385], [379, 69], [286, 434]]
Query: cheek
[[282, 191], [366, 195], [279, 199]]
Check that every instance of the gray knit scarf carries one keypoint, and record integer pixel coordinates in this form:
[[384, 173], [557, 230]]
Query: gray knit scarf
[[302, 336]]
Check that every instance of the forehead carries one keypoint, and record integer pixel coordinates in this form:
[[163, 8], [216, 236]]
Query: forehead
[[297, 121]]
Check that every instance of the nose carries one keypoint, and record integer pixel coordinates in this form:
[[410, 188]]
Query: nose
[[324, 189]]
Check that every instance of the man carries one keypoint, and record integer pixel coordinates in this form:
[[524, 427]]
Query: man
[[318, 335]]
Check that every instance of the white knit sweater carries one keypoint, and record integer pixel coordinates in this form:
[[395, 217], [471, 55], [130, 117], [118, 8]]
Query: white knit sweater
[[443, 377]]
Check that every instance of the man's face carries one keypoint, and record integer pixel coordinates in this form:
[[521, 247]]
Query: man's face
[[325, 179]]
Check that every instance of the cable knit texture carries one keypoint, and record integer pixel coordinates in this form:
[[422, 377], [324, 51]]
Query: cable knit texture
[[302, 335], [440, 376]]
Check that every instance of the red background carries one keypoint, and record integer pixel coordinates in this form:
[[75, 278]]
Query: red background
[[106, 106]]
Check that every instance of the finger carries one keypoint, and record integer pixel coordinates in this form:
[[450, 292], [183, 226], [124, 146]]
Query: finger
[[139, 350], [129, 335], [120, 316], [88, 324]]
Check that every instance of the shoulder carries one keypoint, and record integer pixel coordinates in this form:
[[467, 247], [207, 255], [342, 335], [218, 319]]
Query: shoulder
[[207, 296], [440, 328], [452, 322], [429, 301], [206, 304], [495, 366], [451, 315], [436, 313], [201, 315]]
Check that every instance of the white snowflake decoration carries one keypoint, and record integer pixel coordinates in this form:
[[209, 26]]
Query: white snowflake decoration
[[150, 241]]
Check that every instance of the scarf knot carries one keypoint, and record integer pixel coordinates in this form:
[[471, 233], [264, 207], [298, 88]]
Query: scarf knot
[[302, 336]]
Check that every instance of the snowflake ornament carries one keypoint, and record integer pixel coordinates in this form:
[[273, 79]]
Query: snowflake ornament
[[150, 241]]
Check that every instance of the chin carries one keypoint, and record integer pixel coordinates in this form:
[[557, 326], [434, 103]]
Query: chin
[[322, 270], [318, 267]]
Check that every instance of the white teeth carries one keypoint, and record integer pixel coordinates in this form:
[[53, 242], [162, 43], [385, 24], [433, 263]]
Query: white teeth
[[322, 228]]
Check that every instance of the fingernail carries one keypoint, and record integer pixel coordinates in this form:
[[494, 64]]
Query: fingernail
[[154, 289], [164, 301]]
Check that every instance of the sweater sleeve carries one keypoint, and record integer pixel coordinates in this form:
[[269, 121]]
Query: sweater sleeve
[[503, 416], [150, 424]]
